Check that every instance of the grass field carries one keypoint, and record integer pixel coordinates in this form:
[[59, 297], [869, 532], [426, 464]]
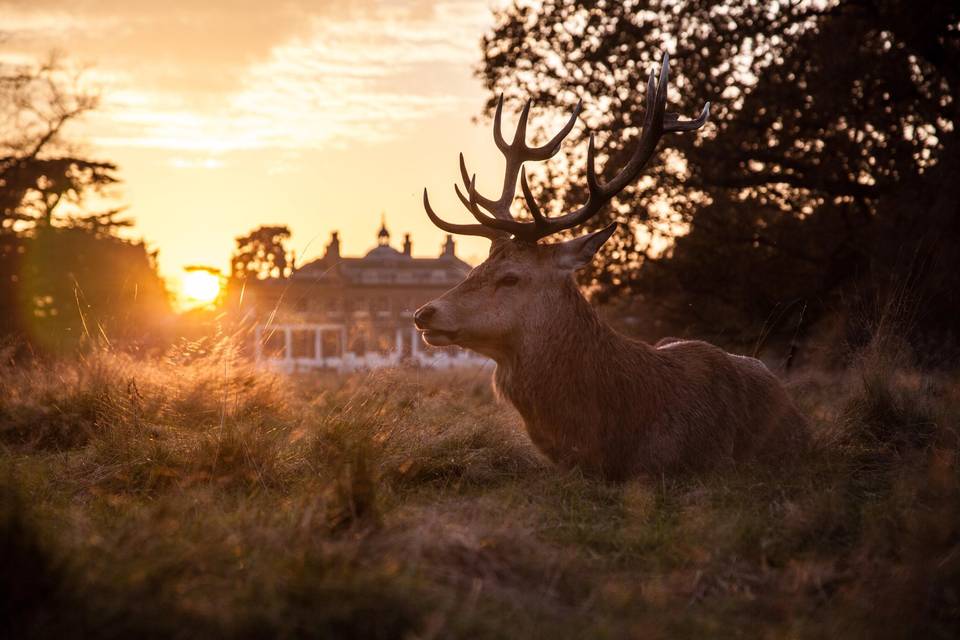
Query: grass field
[[195, 497]]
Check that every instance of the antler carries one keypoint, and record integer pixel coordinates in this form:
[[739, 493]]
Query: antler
[[515, 154], [499, 223]]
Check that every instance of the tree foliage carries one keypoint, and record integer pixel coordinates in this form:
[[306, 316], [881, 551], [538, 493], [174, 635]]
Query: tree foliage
[[64, 278], [77, 285], [262, 253], [831, 167], [39, 167]]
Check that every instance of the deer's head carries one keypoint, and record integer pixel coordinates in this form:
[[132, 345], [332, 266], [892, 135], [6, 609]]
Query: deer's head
[[524, 282]]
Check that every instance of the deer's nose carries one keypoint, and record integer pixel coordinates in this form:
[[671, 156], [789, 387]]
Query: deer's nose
[[423, 315]]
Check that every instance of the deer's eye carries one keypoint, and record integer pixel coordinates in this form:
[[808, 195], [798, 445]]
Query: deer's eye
[[508, 280]]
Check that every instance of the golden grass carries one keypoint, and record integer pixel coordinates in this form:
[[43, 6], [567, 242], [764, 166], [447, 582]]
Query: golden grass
[[194, 496]]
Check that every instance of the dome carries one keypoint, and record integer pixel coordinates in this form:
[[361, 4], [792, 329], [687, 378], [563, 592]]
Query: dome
[[383, 251]]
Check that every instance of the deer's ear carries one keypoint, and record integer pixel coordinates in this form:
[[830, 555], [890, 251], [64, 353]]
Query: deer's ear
[[577, 253]]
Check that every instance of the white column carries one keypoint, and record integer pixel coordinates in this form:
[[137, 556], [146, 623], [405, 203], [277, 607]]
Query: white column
[[417, 351]]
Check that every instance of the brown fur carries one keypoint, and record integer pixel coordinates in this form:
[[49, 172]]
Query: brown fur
[[595, 399]]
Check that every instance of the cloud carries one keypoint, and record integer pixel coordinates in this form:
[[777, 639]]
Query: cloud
[[196, 163], [221, 76]]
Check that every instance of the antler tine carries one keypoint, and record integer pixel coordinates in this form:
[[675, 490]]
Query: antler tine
[[538, 218], [673, 124], [663, 86], [462, 229], [472, 202], [463, 199], [486, 203], [520, 135], [592, 181], [497, 130], [651, 100], [464, 174], [550, 149]]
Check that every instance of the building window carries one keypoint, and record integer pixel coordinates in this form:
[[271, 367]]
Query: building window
[[358, 340], [275, 344], [358, 304], [303, 343], [380, 306], [386, 341], [330, 345]]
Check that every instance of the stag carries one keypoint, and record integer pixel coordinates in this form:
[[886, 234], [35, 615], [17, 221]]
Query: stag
[[590, 397]]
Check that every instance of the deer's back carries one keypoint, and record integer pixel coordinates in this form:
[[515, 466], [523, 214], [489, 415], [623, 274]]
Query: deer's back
[[624, 408], [727, 405]]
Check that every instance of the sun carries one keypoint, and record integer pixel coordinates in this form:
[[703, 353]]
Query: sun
[[201, 286]]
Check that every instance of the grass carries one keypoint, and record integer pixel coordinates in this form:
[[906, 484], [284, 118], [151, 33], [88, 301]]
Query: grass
[[194, 496]]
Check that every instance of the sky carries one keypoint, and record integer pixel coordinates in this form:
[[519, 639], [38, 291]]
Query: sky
[[227, 114]]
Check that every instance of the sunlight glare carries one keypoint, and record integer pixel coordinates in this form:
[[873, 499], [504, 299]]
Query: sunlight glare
[[201, 286]]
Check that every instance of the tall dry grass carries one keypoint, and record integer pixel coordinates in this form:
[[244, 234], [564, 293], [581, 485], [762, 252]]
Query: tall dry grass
[[196, 496]]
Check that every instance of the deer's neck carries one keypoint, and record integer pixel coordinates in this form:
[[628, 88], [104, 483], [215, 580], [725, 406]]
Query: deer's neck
[[570, 356]]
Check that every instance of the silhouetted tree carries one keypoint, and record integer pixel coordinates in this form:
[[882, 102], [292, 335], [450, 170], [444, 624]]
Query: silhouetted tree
[[64, 278], [262, 254], [832, 164], [39, 168]]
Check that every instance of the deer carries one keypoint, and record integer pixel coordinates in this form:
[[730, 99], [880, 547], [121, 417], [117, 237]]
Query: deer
[[590, 397]]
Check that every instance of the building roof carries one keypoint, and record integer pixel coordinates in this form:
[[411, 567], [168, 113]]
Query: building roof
[[385, 265], [384, 252]]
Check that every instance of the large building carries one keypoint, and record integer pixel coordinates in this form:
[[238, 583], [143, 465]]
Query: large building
[[349, 313]]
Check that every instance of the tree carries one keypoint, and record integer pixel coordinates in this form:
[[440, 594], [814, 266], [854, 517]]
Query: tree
[[64, 279], [832, 165], [39, 168], [262, 254]]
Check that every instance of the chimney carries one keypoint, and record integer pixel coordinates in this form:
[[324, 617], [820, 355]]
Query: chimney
[[407, 244], [449, 248], [333, 249]]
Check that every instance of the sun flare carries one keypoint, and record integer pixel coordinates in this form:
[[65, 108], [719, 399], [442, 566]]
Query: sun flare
[[201, 286]]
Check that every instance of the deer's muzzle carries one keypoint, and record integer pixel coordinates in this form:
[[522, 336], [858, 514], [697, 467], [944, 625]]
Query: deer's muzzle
[[432, 335]]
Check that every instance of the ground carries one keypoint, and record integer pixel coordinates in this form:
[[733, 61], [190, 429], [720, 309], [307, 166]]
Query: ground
[[192, 496]]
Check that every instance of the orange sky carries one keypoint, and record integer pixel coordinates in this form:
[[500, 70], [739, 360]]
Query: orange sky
[[320, 115]]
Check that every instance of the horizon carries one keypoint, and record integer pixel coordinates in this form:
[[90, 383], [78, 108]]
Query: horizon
[[288, 115]]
